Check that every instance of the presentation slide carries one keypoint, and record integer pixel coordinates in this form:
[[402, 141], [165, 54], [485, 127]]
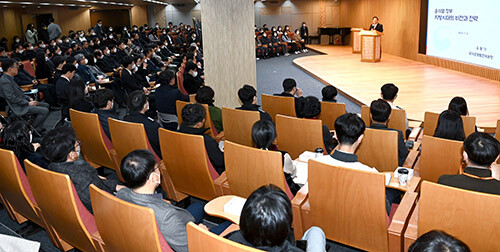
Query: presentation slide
[[465, 30]]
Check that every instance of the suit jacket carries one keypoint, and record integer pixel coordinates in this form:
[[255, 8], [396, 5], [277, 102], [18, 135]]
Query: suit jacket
[[82, 175], [129, 82], [13, 95], [402, 150], [474, 184], [98, 31], [215, 155], [86, 74], [166, 96], [23, 78], [150, 126], [379, 27], [107, 64], [192, 84], [62, 90]]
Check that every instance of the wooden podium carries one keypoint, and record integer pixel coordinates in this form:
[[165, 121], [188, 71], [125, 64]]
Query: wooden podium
[[356, 40], [371, 46]]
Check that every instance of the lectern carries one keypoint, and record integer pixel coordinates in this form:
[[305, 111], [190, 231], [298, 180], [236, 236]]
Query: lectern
[[356, 40], [371, 46]]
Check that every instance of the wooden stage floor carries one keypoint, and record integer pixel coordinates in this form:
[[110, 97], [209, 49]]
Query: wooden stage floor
[[422, 87]]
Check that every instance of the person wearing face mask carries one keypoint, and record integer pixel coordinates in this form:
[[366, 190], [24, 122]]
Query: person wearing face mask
[[29, 52], [103, 101], [129, 81], [259, 49], [304, 32], [105, 63], [84, 70], [125, 33], [273, 50], [3, 53], [31, 34], [142, 176], [301, 44], [192, 82], [278, 44], [138, 105], [16, 40], [18, 138], [18, 53], [61, 147], [122, 49], [152, 67], [153, 37], [98, 29], [293, 46], [193, 39]]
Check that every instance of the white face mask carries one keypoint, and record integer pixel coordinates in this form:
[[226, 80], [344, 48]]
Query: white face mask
[[21, 51], [110, 29], [114, 50], [81, 35], [67, 40], [86, 61], [151, 178], [76, 65], [111, 37], [59, 41], [135, 28], [42, 45], [59, 53], [195, 73], [18, 40], [134, 67], [31, 47], [95, 60], [93, 34], [46, 58]]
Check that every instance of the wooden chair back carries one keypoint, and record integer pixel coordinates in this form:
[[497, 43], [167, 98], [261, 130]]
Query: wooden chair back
[[208, 120], [297, 135], [339, 199], [180, 81], [379, 149], [330, 111], [396, 121], [95, 144], [16, 190], [29, 67], [431, 121], [201, 240], [439, 156], [127, 137], [497, 131], [278, 105], [61, 207], [186, 161], [249, 168], [238, 125], [472, 217], [118, 222]]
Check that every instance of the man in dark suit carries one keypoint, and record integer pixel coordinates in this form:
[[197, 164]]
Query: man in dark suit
[[290, 89], [98, 29], [192, 80], [138, 105], [248, 98], [103, 102], [15, 98], [129, 82], [106, 63], [62, 88], [380, 112], [480, 152], [376, 25]]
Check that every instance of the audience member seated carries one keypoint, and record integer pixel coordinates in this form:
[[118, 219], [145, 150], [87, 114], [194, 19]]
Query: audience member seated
[[450, 126], [248, 98], [266, 223], [138, 104], [205, 95], [18, 53], [311, 110], [459, 105], [43, 69], [480, 152], [193, 116], [264, 135], [62, 149], [23, 77], [142, 177], [129, 82], [58, 62], [389, 93], [290, 89], [329, 94], [166, 96], [349, 129], [299, 41], [78, 96], [436, 240], [103, 101], [17, 137], [84, 71], [380, 112], [94, 68], [17, 101], [104, 61], [192, 82]]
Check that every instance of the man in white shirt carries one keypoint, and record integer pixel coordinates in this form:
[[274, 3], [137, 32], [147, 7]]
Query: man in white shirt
[[349, 129]]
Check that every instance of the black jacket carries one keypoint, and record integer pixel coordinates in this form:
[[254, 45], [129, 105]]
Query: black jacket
[[287, 245], [129, 82], [150, 126], [192, 84], [103, 119], [402, 150], [254, 107], [166, 96], [474, 184], [23, 78], [215, 155], [62, 90], [299, 102], [379, 27], [107, 64], [82, 175]]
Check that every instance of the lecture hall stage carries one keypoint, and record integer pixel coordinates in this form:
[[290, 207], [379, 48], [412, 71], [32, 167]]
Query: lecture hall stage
[[422, 87]]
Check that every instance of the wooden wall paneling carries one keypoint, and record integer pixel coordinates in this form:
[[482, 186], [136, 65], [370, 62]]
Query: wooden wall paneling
[[138, 15]]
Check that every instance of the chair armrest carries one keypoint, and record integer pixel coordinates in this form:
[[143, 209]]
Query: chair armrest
[[26, 87], [109, 74], [411, 233], [43, 81], [221, 185], [415, 132], [488, 130], [230, 229], [216, 208], [98, 242], [301, 213], [400, 221], [412, 156]]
